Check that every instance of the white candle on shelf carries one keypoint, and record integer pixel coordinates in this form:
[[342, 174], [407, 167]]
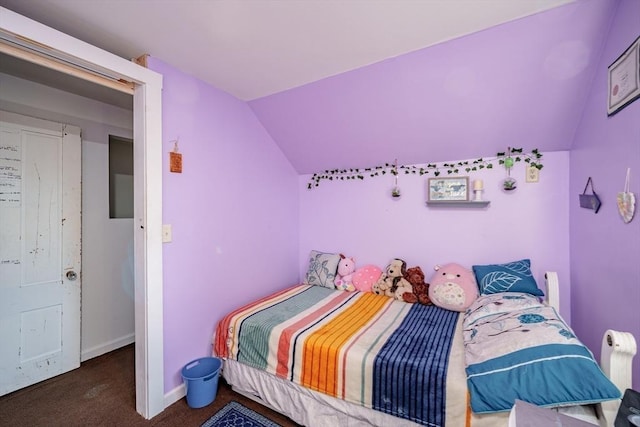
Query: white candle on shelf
[[478, 186]]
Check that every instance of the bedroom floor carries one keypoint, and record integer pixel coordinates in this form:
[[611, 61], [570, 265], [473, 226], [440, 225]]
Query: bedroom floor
[[102, 392]]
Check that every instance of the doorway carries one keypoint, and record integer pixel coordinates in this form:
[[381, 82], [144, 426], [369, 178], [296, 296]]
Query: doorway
[[106, 278], [147, 101]]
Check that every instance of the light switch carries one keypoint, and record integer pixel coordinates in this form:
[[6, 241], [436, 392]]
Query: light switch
[[166, 233]]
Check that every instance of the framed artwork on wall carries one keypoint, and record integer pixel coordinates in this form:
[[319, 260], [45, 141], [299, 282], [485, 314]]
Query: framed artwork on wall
[[448, 189], [624, 79]]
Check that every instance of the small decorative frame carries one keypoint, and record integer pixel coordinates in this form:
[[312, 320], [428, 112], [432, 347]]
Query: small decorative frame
[[624, 79], [448, 189]]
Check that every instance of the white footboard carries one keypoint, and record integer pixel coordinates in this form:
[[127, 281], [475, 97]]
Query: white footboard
[[618, 350]]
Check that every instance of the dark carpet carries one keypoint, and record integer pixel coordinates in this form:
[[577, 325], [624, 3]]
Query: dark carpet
[[102, 393]]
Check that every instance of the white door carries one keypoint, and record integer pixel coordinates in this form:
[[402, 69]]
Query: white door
[[40, 200]]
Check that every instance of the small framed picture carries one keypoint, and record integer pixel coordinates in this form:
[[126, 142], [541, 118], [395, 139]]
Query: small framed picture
[[448, 189], [624, 79]]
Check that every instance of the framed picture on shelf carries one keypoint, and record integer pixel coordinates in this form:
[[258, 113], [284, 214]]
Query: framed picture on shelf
[[448, 189], [624, 79]]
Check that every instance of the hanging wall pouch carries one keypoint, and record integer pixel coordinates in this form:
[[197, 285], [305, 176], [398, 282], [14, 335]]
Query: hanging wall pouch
[[626, 201], [590, 201]]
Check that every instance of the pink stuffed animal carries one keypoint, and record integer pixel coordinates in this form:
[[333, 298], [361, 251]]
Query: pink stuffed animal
[[344, 276], [453, 287]]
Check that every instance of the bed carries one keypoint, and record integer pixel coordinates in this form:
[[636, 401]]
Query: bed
[[329, 357]]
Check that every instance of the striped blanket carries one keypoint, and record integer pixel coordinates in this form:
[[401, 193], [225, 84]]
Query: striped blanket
[[364, 348]]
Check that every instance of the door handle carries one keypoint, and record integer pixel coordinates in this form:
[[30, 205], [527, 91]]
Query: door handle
[[72, 275]]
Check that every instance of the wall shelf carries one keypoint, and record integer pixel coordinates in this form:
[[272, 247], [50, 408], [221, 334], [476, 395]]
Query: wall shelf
[[459, 203]]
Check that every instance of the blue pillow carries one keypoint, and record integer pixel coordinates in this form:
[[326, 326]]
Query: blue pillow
[[511, 277]]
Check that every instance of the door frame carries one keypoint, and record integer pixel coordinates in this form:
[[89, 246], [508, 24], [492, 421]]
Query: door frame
[[147, 133]]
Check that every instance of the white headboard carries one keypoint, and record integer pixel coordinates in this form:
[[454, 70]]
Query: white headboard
[[553, 289]]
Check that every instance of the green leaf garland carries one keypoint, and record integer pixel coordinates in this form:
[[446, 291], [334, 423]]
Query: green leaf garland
[[515, 154]]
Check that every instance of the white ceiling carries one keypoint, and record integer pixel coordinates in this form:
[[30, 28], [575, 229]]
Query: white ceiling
[[254, 48]]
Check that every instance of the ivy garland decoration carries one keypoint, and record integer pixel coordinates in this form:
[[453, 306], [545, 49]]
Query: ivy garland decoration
[[511, 155]]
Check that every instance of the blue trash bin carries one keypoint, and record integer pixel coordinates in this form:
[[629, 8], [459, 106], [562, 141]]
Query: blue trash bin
[[201, 381]]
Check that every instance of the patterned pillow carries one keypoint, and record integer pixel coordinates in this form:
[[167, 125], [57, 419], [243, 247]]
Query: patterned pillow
[[365, 277], [322, 269], [510, 277]]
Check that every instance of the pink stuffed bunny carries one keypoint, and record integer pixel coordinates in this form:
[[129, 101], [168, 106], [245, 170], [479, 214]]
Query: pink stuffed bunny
[[344, 276]]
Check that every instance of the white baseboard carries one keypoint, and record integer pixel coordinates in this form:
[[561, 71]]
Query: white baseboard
[[101, 349], [174, 395]]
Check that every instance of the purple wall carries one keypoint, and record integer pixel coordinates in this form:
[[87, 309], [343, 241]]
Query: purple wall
[[519, 84], [605, 252], [359, 218], [239, 201], [234, 205]]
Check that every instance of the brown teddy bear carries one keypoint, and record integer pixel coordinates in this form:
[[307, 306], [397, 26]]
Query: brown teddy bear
[[392, 282], [415, 276]]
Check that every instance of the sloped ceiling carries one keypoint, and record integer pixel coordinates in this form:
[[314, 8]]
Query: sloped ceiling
[[357, 83], [519, 84]]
